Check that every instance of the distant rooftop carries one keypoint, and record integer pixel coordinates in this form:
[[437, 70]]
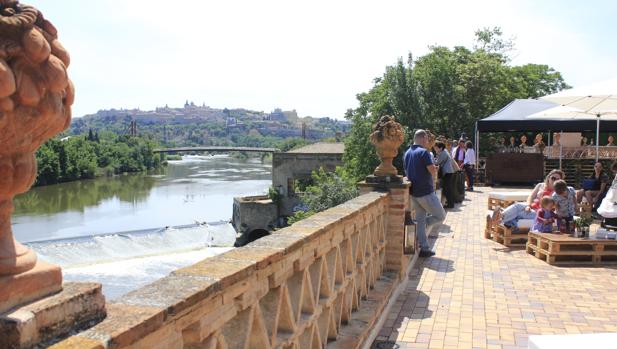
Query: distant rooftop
[[321, 148]]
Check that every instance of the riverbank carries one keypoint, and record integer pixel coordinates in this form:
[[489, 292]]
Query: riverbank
[[86, 157]]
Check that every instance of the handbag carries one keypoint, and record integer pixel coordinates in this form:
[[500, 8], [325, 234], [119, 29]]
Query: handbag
[[588, 184]]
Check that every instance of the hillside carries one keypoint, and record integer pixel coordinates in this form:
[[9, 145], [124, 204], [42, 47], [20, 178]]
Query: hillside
[[194, 125]]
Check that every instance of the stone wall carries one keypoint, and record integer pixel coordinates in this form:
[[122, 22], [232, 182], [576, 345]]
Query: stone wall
[[321, 282], [251, 213], [288, 167]]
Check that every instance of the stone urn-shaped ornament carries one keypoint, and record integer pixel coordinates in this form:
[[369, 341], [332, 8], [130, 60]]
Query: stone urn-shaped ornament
[[387, 137], [35, 104]]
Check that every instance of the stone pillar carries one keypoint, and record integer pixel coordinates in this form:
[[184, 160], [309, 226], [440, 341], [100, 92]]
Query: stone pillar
[[387, 136], [398, 203], [35, 104]]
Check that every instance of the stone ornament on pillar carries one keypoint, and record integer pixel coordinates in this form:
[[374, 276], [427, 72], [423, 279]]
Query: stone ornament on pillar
[[387, 137], [35, 104]]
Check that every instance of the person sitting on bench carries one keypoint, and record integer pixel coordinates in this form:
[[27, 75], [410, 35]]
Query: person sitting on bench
[[526, 210]]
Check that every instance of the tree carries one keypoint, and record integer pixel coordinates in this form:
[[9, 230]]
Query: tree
[[445, 91], [490, 40]]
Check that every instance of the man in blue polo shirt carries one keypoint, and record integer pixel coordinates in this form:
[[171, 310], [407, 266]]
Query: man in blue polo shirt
[[421, 171]]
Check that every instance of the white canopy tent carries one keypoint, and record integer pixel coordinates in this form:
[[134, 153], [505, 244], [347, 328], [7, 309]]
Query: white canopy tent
[[583, 103]]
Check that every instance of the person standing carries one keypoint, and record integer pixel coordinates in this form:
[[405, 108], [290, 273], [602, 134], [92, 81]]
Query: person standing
[[469, 164], [538, 143], [459, 152], [447, 169], [611, 141], [513, 148], [421, 171], [523, 145]]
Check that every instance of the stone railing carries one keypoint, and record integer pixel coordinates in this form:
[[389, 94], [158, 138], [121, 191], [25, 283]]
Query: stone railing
[[323, 282]]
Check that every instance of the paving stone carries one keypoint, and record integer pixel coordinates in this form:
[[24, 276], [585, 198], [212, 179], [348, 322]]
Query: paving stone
[[490, 296]]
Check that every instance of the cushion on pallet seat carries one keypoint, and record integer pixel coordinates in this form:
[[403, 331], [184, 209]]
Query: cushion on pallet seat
[[509, 195], [525, 223]]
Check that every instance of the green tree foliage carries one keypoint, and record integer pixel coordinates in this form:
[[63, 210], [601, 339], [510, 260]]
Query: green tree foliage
[[329, 189], [445, 91], [82, 157]]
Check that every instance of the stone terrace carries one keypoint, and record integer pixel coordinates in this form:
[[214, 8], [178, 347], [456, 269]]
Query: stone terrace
[[475, 293]]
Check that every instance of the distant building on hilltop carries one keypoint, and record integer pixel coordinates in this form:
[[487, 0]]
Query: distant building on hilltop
[[277, 115]]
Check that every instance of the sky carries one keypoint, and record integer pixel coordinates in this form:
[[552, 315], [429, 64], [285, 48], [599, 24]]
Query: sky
[[312, 56]]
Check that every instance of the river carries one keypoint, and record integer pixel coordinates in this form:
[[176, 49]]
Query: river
[[129, 230]]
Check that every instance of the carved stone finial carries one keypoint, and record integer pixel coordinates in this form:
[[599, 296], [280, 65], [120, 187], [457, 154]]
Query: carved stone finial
[[387, 137], [35, 104]]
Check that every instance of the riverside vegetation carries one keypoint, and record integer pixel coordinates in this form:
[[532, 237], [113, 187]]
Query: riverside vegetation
[[83, 157]]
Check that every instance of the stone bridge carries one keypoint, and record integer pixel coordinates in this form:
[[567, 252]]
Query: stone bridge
[[215, 149], [321, 283]]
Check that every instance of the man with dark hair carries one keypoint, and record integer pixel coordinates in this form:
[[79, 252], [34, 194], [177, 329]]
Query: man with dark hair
[[421, 172]]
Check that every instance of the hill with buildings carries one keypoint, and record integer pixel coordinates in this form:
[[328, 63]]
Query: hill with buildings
[[194, 125]]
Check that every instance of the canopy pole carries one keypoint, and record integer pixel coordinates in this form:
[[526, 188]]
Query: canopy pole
[[560, 147], [477, 137], [598, 137]]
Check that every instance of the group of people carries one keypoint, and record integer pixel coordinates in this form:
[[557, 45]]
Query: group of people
[[522, 147], [553, 201], [422, 168], [538, 143]]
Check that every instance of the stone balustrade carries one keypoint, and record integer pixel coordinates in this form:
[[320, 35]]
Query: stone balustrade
[[322, 282]]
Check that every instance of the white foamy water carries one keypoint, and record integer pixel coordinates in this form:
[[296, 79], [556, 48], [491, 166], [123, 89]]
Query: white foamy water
[[126, 261], [123, 276]]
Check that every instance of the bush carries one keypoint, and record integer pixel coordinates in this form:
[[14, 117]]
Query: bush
[[329, 189]]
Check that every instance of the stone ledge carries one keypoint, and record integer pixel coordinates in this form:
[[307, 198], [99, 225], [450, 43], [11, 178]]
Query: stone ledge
[[172, 294], [124, 325], [77, 306], [42, 280]]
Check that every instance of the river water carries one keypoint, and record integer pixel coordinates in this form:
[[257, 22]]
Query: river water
[[129, 230]]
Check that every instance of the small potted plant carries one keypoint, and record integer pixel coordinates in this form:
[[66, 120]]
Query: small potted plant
[[582, 226]]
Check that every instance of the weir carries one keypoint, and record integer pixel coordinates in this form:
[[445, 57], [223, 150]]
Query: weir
[[70, 252]]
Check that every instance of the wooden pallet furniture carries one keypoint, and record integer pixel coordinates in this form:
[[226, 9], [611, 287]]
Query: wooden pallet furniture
[[505, 199], [501, 199], [562, 249], [510, 236]]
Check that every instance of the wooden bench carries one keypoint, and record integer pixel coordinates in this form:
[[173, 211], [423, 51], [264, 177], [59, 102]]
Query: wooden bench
[[510, 236], [563, 249], [504, 199]]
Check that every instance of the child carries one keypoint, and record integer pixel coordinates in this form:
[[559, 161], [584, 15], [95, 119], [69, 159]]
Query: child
[[545, 216], [565, 202]]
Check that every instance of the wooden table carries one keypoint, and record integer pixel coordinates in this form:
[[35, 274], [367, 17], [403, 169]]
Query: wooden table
[[563, 249]]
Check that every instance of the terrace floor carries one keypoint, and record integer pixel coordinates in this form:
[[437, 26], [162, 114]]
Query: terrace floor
[[476, 293]]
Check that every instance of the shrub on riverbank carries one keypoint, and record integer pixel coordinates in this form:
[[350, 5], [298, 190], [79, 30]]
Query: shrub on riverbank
[[329, 189], [82, 157]]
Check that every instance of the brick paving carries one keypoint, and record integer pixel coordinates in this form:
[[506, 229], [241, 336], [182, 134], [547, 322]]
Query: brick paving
[[476, 293]]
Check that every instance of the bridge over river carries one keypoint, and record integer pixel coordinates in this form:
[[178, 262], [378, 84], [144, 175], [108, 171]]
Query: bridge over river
[[216, 149]]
